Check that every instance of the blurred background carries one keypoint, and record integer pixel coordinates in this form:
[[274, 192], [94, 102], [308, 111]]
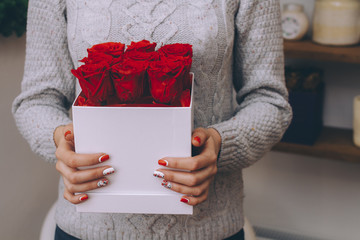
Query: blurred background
[[289, 195]]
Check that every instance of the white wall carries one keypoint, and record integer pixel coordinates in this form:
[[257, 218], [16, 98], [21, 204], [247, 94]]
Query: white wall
[[305, 195], [28, 184]]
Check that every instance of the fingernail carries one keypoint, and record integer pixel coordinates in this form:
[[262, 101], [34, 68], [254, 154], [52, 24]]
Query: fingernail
[[102, 183], [163, 162], [103, 158], [166, 184], [83, 198], [67, 133], [158, 174], [184, 200], [197, 138], [108, 171]]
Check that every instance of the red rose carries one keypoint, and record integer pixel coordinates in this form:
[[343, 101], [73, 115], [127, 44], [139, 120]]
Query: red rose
[[128, 79], [142, 46], [166, 80], [110, 52], [113, 49], [179, 52], [95, 82], [177, 49]]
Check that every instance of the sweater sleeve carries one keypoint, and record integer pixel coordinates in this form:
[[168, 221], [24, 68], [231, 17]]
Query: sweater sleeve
[[47, 88], [263, 113]]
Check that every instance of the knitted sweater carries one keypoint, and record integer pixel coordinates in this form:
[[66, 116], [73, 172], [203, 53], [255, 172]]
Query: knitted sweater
[[237, 44]]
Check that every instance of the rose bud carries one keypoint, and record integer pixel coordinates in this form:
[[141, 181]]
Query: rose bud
[[110, 52], [166, 80], [128, 78], [177, 49], [95, 82], [145, 58], [142, 46], [113, 49], [179, 52], [185, 98]]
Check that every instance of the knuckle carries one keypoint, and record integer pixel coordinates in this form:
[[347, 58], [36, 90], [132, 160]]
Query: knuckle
[[58, 153], [215, 170], [73, 178], [72, 162], [206, 194], [194, 165], [192, 181], [71, 188], [57, 166], [197, 191], [213, 158]]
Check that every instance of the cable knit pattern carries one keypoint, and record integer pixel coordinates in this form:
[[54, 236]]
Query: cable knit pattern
[[236, 43]]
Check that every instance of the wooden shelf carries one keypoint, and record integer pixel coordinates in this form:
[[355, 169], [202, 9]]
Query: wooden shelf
[[308, 50], [333, 143]]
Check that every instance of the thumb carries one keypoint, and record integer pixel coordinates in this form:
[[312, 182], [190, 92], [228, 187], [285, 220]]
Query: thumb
[[68, 132], [199, 137]]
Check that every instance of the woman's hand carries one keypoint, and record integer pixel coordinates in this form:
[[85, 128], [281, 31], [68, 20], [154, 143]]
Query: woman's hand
[[203, 167], [76, 180]]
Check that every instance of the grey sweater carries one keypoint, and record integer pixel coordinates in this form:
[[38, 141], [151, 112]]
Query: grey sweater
[[237, 45]]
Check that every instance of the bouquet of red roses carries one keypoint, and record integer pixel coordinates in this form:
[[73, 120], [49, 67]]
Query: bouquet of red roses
[[139, 75]]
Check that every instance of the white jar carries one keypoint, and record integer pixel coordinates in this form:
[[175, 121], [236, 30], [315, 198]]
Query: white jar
[[295, 23], [336, 22]]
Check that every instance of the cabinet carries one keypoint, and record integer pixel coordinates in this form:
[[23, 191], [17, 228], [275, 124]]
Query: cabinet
[[333, 143]]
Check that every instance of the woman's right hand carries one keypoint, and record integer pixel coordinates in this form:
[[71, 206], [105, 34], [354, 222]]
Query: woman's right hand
[[76, 180]]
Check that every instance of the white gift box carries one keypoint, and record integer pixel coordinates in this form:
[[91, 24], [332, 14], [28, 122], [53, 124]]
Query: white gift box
[[135, 138]]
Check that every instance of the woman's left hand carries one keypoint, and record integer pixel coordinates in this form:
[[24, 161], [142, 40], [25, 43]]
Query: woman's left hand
[[203, 167]]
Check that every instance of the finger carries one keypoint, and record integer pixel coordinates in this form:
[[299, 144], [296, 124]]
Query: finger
[[84, 187], [194, 191], [199, 137], [66, 154], [68, 132], [195, 200], [81, 176], [75, 199], [190, 179], [206, 158]]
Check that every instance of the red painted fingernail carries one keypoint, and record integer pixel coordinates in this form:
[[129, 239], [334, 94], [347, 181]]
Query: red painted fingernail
[[103, 158], [197, 138], [184, 200], [67, 133], [166, 184], [108, 171], [103, 183], [163, 163], [158, 174], [83, 198]]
